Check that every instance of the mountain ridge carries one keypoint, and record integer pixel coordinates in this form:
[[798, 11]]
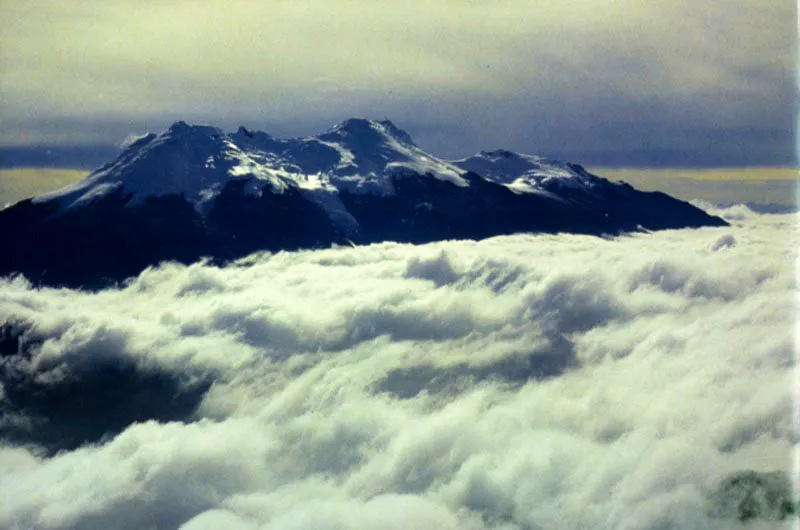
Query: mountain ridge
[[193, 191]]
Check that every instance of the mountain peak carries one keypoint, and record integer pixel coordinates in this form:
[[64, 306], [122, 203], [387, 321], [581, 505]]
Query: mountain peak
[[499, 153], [364, 128], [181, 128], [178, 125]]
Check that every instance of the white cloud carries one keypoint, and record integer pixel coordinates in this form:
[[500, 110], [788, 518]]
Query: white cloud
[[518, 382]]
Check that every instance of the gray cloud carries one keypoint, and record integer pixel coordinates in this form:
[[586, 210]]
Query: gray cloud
[[399, 386], [612, 83]]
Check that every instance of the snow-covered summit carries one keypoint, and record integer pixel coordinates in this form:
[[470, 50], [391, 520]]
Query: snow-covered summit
[[196, 161], [357, 155], [526, 173], [372, 150], [363, 129]]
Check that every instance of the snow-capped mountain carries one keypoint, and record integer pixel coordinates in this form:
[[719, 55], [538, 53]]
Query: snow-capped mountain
[[197, 161], [194, 190]]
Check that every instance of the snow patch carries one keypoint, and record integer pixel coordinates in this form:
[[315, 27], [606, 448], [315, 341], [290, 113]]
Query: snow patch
[[525, 173], [94, 193]]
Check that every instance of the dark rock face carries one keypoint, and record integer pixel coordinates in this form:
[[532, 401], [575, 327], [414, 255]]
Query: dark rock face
[[106, 242], [240, 224], [425, 210]]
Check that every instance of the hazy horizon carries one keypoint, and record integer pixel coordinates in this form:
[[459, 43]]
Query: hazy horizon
[[766, 186]]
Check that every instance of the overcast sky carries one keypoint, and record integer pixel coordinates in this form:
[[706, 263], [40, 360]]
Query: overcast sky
[[667, 83]]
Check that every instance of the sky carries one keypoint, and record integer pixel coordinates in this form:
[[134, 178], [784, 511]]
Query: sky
[[610, 83], [520, 382]]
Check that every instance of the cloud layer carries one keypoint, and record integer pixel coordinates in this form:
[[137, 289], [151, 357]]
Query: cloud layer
[[616, 82], [524, 382]]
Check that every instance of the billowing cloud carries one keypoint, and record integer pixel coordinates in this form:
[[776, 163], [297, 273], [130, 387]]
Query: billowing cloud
[[605, 82], [529, 381]]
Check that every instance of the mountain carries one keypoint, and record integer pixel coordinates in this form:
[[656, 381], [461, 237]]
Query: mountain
[[195, 191]]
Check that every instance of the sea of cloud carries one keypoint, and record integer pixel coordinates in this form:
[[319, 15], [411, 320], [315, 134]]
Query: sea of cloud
[[521, 382]]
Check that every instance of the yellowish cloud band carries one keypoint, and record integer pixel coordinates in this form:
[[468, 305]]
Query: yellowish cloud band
[[749, 174]]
